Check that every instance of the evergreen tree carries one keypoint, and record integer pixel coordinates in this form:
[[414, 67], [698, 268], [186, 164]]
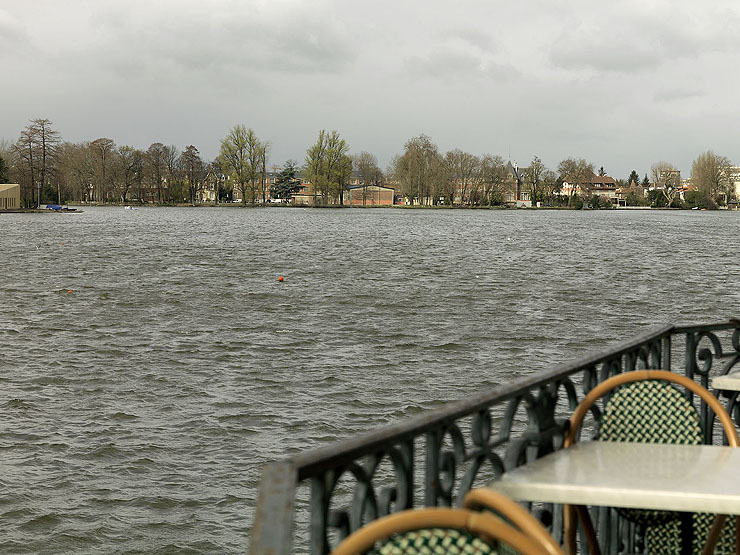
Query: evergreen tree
[[634, 177], [4, 178], [646, 182], [286, 182]]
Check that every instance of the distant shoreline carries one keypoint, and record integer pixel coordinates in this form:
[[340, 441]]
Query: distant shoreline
[[76, 208], [41, 211], [374, 207]]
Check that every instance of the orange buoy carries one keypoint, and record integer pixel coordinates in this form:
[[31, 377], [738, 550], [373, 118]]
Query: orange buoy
[[69, 291], [280, 278]]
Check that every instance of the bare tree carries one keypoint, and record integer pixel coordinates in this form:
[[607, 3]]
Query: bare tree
[[254, 159], [577, 172], [315, 161], [173, 177], [217, 178], [534, 176], [193, 168], [240, 153], [418, 170], [128, 165], [552, 184], [366, 165], [711, 174], [154, 167], [343, 173], [667, 179], [48, 144], [462, 171], [77, 164], [36, 152], [6, 148], [104, 149], [264, 154], [24, 154], [493, 175], [328, 166]]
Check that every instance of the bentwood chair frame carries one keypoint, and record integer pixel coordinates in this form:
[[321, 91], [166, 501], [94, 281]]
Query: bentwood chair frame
[[570, 512], [513, 513], [489, 527]]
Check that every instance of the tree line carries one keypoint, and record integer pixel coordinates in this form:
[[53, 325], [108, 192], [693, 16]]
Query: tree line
[[97, 171], [100, 171]]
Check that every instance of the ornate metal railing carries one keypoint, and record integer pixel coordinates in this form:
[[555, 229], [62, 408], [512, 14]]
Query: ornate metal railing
[[435, 458]]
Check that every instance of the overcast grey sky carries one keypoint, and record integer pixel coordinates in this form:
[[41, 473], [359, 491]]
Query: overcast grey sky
[[621, 83]]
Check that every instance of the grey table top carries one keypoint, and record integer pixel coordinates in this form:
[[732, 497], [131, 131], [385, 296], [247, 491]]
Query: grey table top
[[728, 382], [693, 478]]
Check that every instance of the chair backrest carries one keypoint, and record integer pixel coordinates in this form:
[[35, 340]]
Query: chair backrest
[[647, 409], [653, 411], [650, 411], [448, 530], [514, 514]]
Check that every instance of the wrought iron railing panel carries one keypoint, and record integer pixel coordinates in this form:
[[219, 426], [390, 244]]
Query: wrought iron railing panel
[[435, 458]]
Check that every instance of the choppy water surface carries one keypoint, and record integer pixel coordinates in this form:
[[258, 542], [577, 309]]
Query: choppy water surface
[[138, 408]]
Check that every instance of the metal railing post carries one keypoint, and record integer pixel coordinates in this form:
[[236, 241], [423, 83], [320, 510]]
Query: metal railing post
[[272, 530]]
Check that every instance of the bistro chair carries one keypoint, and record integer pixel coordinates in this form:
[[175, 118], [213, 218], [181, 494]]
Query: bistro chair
[[448, 531], [514, 514], [644, 406]]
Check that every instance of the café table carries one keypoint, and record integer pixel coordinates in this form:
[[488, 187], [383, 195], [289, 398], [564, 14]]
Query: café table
[[728, 382], [670, 477]]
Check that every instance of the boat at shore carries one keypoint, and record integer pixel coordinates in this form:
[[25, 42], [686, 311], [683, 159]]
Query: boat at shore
[[60, 208]]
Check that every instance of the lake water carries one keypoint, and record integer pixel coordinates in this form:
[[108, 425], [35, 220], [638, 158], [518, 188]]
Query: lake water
[[152, 362]]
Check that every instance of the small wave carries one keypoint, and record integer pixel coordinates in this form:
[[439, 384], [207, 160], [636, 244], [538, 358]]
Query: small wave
[[161, 503], [144, 461], [230, 500], [24, 513], [105, 451], [232, 417], [406, 346], [49, 380], [19, 404], [448, 346], [44, 521], [123, 416]]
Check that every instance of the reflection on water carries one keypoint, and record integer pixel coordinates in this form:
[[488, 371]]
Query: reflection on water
[[139, 407]]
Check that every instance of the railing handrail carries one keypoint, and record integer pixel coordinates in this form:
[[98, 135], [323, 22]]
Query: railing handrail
[[273, 524], [318, 460]]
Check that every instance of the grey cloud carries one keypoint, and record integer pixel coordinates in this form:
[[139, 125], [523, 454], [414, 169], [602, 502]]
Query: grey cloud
[[184, 71], [648, 39], [14, 37], [311, 47], [442, 64], [477, 39], [448, 66], [584, 54], [242, 45], [678, 94], [461, 55]]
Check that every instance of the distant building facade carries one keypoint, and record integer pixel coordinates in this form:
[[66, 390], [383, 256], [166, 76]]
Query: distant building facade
[[516, 193], [10, 196], [372, 195], [604, 186]]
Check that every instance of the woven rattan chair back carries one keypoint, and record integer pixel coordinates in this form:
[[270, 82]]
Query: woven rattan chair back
[[646, 406], [438, 530]]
